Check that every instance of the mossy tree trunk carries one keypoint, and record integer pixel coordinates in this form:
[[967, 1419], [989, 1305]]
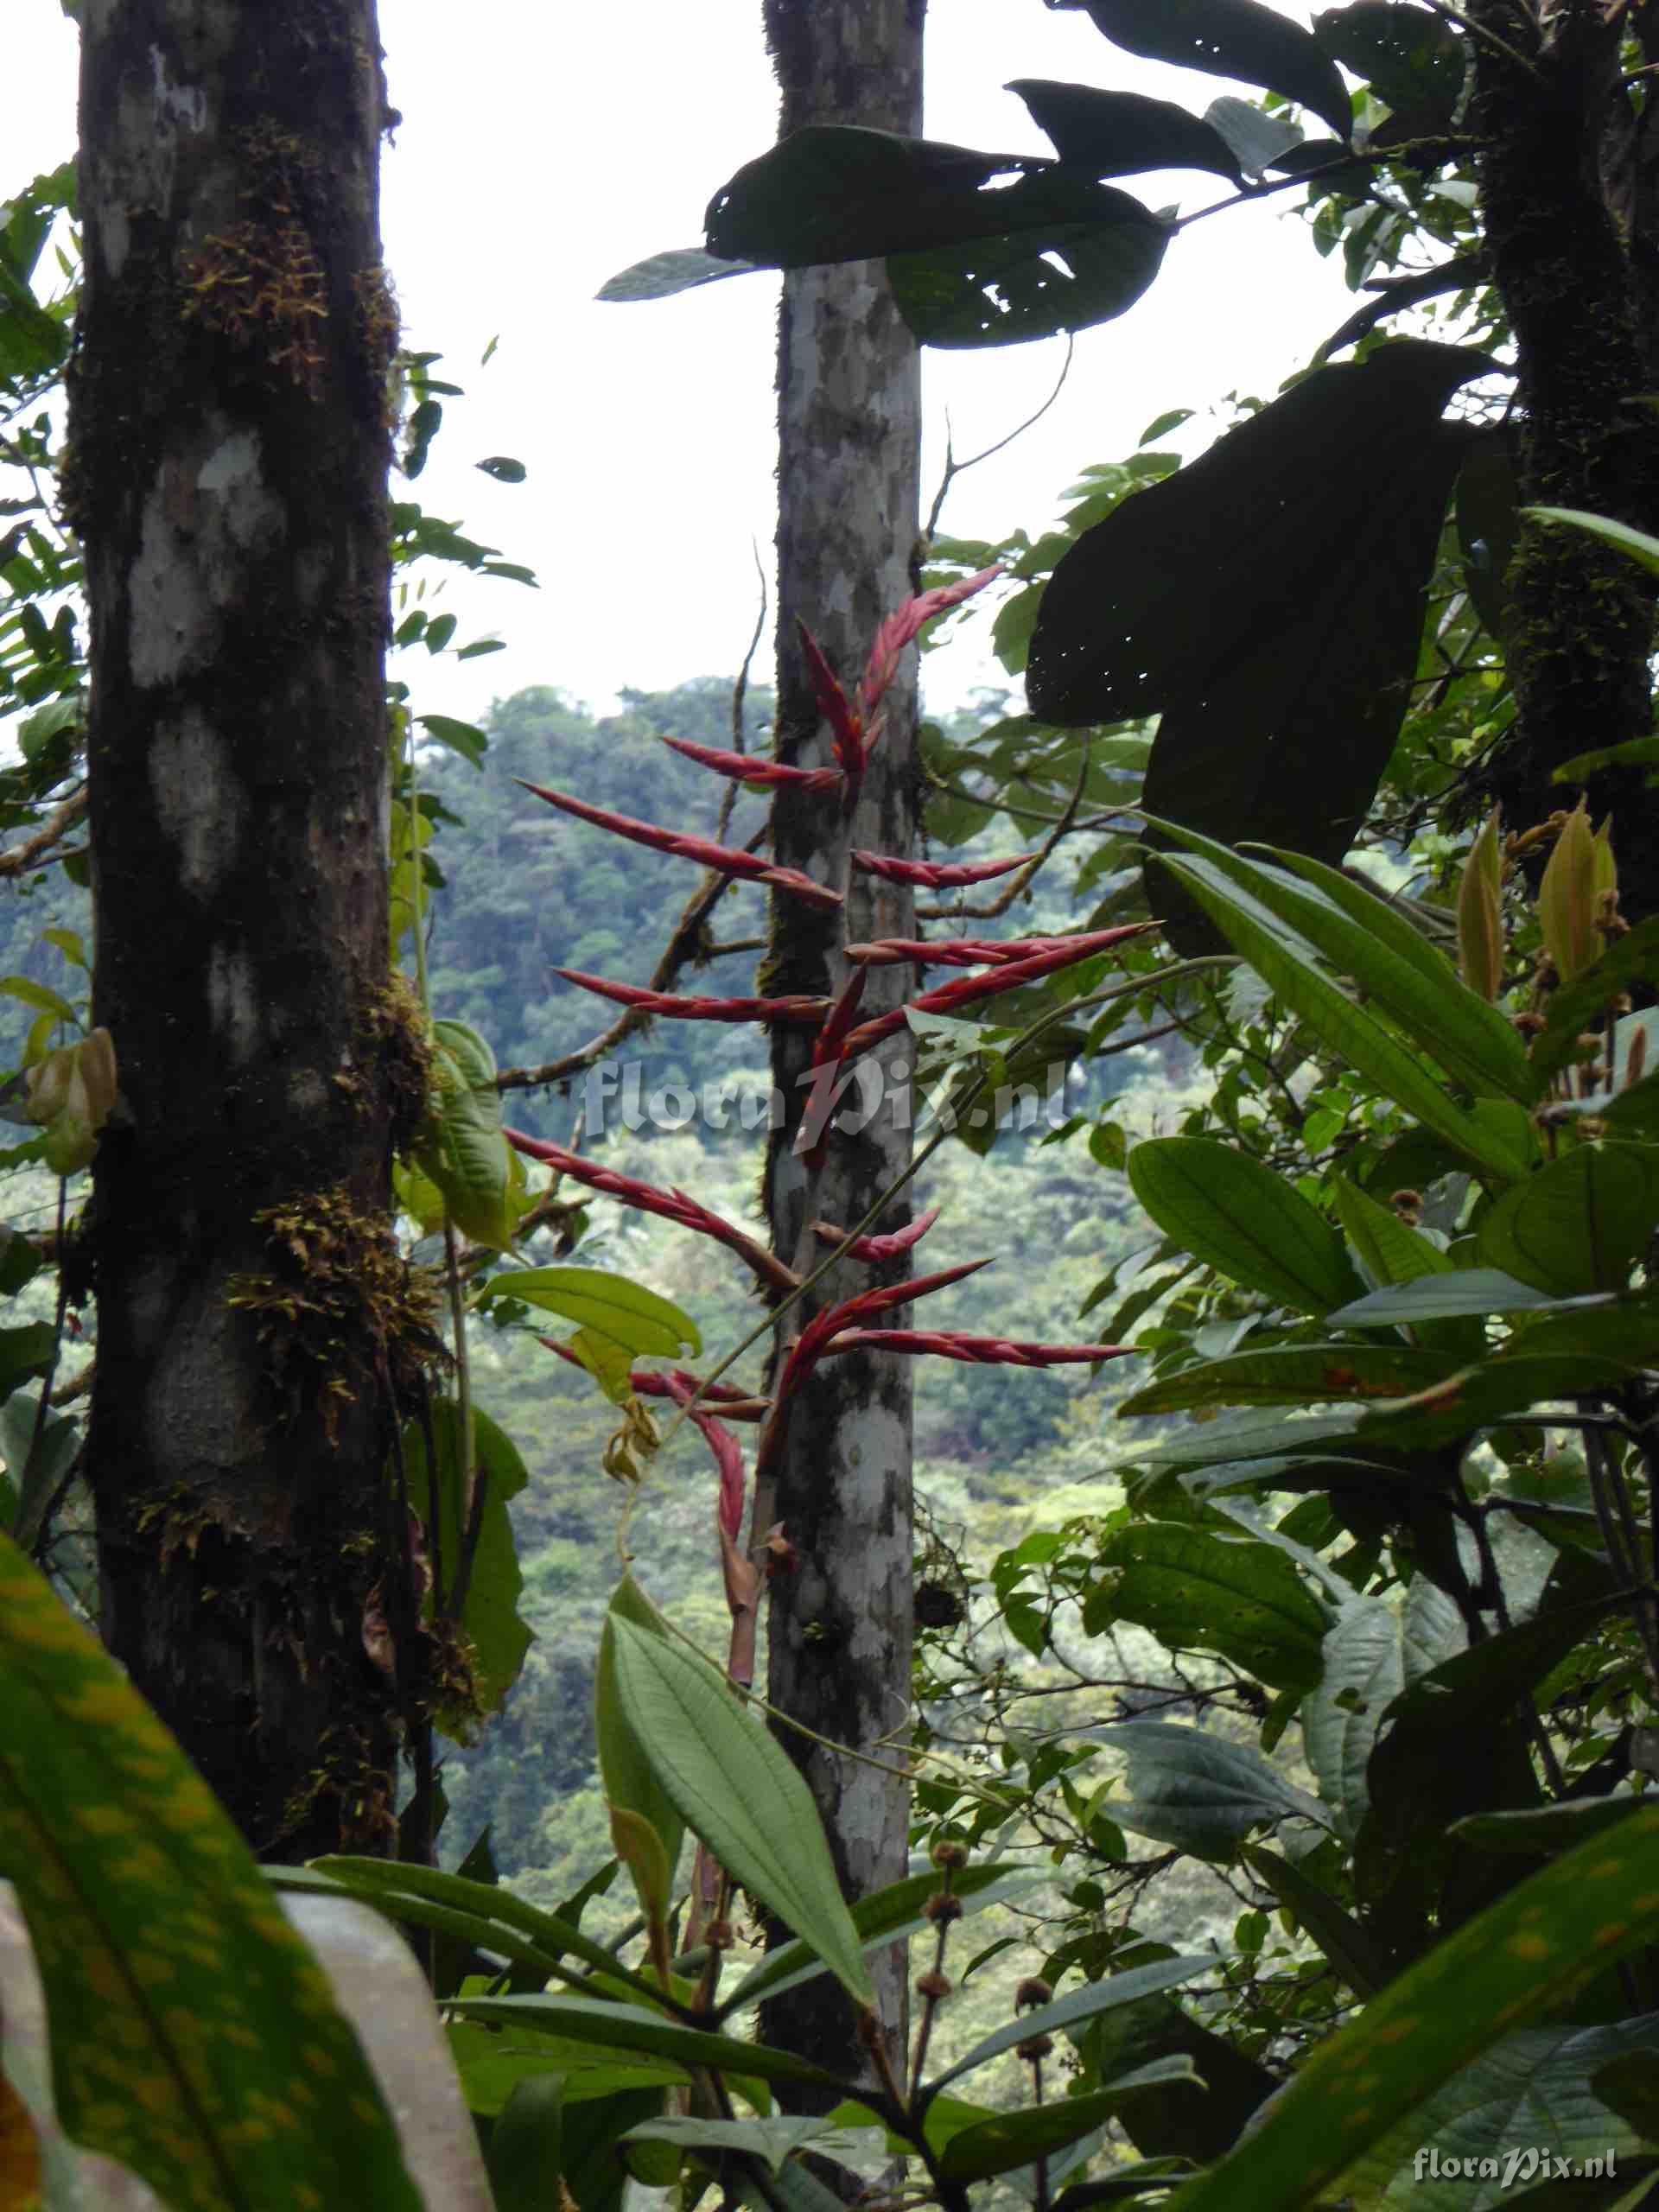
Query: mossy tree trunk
[[849, 412], [1568, 205], [230, 444]]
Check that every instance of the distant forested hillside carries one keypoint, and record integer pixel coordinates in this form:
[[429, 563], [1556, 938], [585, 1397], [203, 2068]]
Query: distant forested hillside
[[527, 889]]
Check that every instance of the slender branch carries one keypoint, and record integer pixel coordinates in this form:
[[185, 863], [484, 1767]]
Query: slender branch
[[1022, 880], [953, 467], [16, 858], [1486, 34], [740, 688]]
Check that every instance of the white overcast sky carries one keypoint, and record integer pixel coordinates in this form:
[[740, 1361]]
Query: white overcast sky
[[546, 145]]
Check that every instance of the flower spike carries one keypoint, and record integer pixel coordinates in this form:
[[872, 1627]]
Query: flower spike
[[902, 626], [725, 859], [846, 723], [937, 875], [675, 1006], [768, 1269], [950, 952], [963, 990], [979, 1351], [745, 768], [877, 1248]]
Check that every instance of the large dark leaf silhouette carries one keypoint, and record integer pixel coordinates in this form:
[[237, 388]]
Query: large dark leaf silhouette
[[1123, 134], [982, 249], [1228, 38], [1267, 601], [1412, 58]]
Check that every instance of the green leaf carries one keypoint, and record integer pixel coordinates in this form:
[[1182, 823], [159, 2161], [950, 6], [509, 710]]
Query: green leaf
[[1521, 1957], [1413, 59], [1037, 279], [461, 1149], [1121, 134], [1532, 2093], [182, 2006], [1338, 1934], [38, 996], [1237, 1216], [1370, 1655], [499, 1636], [646, 1822], [1198, 1792], [1294, 1374], [1237, 1439], [462, 738], [1361, 936], [1483, 1397], [1198, 1590], [739, 1791], [629, 1314], [1070, 2011], [1016, 2138], [1488, 525], [1634, 752], [503, 468], [491, 2062], [1229, 38], [1292, 969], [1432, 1298], [486, 1915], [1631, 959], [661, 275], [1619, 535], [1544, 1830], [526, 2146], [774, 2139], [1578, 1226], [1390, 1248], [70, 944], [595, 2021], [37, 1468], [1256, 139], [835, 192]]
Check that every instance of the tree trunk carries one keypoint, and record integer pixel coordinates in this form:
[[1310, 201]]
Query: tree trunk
[[849, 412], [1573, 253], [229, 420]]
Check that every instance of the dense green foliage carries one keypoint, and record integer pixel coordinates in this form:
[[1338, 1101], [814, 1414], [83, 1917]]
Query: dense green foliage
[[1318, 1641]]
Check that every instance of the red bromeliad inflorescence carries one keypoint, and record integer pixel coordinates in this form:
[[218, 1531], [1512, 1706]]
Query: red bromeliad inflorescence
[[727, 859], [672, 1205], [978, 1351], [936, 875], [675, 1007], [745, 768], [855, 725]]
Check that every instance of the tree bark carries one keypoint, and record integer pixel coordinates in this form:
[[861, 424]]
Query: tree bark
[[849, 418], [1572, 262], [230, 419]]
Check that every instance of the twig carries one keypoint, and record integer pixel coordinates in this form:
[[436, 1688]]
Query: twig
[[1484, 33], [740, 688], [953, 467], [16, 858], [1021, 881]]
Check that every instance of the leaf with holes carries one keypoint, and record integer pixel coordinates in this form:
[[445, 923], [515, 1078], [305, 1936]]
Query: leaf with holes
[[1228, 38], [1121, 134]]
